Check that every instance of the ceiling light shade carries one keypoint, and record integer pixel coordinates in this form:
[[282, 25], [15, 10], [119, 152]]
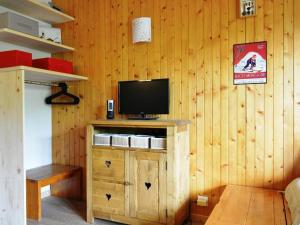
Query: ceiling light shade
[[141, 30]]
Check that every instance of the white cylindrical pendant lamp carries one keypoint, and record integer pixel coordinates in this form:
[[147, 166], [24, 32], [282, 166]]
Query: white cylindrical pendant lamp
[[141, 30]]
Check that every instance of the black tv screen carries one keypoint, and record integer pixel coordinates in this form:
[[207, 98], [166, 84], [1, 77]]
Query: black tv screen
[[144, 97]]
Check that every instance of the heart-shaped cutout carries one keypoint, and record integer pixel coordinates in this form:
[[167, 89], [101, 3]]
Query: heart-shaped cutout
[[107, 163], [148, 185], [108, 196]]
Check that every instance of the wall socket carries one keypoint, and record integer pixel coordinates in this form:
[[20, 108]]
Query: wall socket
[[202, 200]]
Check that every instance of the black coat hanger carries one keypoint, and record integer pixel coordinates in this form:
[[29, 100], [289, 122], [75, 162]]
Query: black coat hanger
[[63, 92]]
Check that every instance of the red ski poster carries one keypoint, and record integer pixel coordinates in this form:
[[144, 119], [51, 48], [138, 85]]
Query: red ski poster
[[250, 63]]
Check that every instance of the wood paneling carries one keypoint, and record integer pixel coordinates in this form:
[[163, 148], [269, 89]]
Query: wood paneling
[[12, 175], [245, 135]]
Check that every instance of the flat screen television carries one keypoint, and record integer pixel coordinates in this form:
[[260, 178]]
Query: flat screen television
[[144, 97]]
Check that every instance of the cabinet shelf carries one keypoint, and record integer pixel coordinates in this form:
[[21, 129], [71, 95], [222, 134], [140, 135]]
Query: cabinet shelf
[[29, 41], [41, 75], [130, 149], [37, 10]]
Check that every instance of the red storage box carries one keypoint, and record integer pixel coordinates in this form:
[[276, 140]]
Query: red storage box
[[58, 65], [15, 58]]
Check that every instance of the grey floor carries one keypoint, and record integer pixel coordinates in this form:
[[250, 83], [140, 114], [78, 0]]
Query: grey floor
[[57, 211]]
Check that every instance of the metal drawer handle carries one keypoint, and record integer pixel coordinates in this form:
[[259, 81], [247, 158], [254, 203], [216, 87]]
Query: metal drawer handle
[[107, 163], [108, 196]]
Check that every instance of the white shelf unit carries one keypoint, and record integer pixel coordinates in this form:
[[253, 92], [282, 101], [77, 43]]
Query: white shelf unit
[[12, 138], [29, 41], [37, 10], [41, 75], [12, 104]]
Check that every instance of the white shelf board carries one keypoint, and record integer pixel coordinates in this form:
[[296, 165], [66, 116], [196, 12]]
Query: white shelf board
[[41, 75], [37, 10], [29, 41]]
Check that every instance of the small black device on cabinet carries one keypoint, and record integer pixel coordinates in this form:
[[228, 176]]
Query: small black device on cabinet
[[110, 113]]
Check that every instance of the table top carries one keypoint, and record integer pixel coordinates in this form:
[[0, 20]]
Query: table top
[[249, 206]]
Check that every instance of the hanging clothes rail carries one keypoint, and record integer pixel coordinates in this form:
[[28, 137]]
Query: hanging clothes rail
[[41, 83]]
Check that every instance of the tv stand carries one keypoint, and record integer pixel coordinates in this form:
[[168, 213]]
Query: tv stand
[[125, 179], [143, 117]]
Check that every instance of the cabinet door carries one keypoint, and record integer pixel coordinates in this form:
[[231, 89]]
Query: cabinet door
[[148, 186]]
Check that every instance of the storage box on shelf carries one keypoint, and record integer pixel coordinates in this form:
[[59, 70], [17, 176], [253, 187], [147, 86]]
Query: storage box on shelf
[[130, 141], [19, 23], [54, 64], [140, 141], [120, 140], [102, 139], [158, 142], [15, 58], [138, 185]]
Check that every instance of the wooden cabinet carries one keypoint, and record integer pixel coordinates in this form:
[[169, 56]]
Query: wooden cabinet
[[139, 186], [148, 186]]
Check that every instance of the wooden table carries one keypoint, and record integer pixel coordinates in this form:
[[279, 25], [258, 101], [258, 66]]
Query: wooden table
[[250, 206]]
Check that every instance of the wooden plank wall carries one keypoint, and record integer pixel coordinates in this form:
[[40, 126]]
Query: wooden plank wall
[[246, 135], [12, 176]]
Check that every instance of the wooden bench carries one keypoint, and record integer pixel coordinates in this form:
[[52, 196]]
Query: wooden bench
[[250, 206], [65, 181]]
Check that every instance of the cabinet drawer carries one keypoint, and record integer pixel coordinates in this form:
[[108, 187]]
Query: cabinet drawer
[[109, 197], [108, 164]]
